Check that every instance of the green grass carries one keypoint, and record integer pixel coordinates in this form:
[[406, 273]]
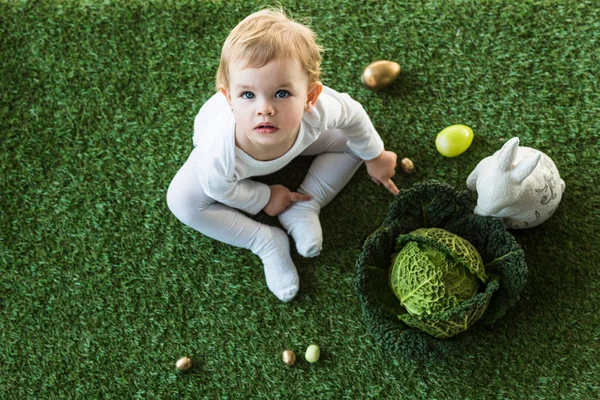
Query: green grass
[[102, 289]]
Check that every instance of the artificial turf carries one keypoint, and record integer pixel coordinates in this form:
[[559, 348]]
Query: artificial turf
[[102, 289]]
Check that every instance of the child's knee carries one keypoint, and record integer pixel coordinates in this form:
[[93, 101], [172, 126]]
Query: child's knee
[[175, 201], [183, 203]]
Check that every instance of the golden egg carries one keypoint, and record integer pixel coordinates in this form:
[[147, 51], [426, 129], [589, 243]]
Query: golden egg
[[289, 357], [380, 74], [184, 363], [407, 165]]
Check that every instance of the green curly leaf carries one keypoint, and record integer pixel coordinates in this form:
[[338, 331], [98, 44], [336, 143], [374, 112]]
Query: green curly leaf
[[447, 324], [460, 247], [426, 280]]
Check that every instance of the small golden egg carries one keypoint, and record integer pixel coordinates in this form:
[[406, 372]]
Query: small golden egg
[[184, 363], [289, 357], [380, 74], [407, 165]]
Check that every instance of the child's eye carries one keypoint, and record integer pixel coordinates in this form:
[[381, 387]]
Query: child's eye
[[247, 95], [282, 94]]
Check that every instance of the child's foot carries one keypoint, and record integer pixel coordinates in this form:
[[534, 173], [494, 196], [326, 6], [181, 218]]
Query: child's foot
[[301, 221], [280, 271]]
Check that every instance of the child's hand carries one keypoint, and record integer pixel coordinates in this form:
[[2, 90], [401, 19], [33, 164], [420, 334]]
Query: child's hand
[[282, 199], [382, 169]]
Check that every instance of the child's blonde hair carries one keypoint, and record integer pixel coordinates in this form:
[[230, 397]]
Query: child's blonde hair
[[268, 35]]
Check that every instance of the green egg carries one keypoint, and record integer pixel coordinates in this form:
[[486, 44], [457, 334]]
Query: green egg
[[312, 353], [454, 140]]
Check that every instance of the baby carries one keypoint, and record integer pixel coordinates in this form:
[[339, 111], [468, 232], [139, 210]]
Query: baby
[[270, 108]]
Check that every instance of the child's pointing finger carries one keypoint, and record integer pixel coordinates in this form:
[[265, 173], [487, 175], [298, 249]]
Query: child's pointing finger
[[299, 197], [389, 185]]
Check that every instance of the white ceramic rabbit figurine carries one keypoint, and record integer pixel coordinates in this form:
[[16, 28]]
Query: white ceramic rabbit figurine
[[518, 185]]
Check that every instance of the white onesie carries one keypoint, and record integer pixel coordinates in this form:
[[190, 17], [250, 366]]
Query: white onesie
[[224, 169], [214, 184]]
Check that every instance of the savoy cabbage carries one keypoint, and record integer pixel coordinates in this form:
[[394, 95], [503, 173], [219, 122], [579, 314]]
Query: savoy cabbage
[[434, 272], [433, 204]]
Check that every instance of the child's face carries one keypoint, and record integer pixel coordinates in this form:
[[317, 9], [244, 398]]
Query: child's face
[[268, 102]]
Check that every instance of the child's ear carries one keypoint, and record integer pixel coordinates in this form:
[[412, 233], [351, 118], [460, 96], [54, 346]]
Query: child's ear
[[313, 95], [226, 94]]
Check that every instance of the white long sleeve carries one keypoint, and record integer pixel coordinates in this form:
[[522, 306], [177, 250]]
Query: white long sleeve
[[246, 195], [336, 110]]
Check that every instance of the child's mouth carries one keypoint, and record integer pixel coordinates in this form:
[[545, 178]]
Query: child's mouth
[[266, 128]]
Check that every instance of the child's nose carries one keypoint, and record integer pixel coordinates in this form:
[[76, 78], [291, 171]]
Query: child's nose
[[265, 108]]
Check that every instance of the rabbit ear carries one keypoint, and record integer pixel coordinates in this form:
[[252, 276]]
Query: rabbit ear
[[507, 154], [525, 168], [472, 178]]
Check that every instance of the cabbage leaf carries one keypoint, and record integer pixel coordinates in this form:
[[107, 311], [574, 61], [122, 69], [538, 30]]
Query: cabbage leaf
[[427, 280]]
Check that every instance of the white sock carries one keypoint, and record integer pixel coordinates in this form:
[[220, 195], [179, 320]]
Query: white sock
[[301, 221], [327, 176], [280, 272]]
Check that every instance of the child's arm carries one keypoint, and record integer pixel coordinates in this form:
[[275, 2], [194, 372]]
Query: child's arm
[[250, 196], [339, 111], [281, 199], [246, 195], [382, 169]]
